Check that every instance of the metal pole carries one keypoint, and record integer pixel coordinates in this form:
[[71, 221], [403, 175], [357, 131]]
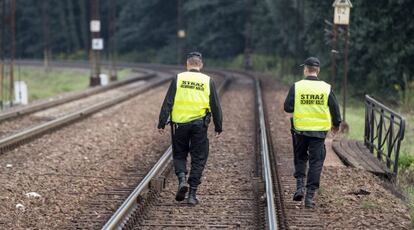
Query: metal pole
[[345, 84], [333, 55], [13, 51], [112, 43]]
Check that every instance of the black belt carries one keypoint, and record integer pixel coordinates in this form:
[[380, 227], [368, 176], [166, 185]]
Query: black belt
[[196, 121]]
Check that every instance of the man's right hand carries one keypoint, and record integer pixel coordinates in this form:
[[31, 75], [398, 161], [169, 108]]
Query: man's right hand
[[161, 131], [335, 130], [217, 134]]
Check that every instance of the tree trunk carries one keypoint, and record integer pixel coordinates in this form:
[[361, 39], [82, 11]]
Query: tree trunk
[[72, 26], [84, 25], [63, 23]]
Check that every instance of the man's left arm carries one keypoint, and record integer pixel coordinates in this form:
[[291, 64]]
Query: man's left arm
[[167, 105], [290, 100], [215, 108], [334, 110]]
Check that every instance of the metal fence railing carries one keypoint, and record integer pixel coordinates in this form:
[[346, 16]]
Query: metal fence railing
[[384, 131]]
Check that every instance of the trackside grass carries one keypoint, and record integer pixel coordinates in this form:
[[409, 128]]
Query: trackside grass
[[43, 84]]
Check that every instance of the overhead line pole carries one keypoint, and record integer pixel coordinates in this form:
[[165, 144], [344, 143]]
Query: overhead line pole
[[13, 51], [95, 54], [345, 84], [333, 54], [112, 41], [2, 13]]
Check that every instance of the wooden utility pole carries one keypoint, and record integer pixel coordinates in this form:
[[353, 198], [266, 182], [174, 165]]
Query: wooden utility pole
[[13, 51], [95, 47], [2, 16], [333, 54], [342, 9], [112, 40], [345, 84]]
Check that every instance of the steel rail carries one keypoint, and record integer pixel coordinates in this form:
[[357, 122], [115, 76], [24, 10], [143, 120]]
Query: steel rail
[[59, 101], [120, 217], [267, 171], [15, 139], [271, 207]]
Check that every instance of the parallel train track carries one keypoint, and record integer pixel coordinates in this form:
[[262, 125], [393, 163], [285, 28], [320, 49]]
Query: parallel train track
[[41, 127], [268, 203]]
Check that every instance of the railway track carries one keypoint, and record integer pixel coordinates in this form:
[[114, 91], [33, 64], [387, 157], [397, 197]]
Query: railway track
[[102, 207], [52, 173], [248, 193], [97, 164], [18, 127], [59, 100]]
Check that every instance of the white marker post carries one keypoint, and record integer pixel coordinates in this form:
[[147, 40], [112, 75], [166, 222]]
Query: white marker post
[[21, 93]]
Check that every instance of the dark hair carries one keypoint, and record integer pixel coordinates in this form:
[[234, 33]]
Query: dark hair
[[194, 54]]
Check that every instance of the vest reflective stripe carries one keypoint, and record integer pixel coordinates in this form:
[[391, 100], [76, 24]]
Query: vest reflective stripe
[[192, 98], [311, 111]]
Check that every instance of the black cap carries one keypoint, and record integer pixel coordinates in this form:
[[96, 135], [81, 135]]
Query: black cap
[[311, 61], [194, 54]]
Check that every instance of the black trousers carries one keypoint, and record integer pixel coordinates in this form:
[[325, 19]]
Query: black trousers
[[190, 138], [310, 149]]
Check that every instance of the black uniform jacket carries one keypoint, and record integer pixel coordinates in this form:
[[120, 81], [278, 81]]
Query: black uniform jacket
[[333, 108], [215, 107]]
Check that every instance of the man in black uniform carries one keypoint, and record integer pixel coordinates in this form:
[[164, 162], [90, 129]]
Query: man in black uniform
[[315, 111], [190, 101]]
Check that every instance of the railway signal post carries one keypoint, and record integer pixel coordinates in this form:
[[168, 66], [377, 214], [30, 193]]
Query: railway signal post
[[341, 17], [112, 42], [97, 44]]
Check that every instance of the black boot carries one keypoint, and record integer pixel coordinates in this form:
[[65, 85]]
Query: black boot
[[309, 203], [192, 199], [182, 187], [300, 190]]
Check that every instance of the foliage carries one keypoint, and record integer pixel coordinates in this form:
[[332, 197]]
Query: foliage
[[381, 44]]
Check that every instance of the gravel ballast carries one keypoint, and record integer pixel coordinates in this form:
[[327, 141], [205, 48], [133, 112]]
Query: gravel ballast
[[227, 198], [70, 166], [337, 205]]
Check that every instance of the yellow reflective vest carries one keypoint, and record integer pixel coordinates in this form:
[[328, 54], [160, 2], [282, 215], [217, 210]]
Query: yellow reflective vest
[[192, 97], [311, 111]]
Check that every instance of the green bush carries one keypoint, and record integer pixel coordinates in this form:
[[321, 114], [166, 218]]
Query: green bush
[[406, 161]]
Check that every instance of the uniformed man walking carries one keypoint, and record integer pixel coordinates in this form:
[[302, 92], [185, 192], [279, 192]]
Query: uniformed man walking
[[315, 111], [190, 101]]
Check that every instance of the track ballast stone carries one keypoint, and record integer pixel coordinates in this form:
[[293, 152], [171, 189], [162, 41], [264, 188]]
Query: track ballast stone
[[73, 165], [336, 207], [226, 195]]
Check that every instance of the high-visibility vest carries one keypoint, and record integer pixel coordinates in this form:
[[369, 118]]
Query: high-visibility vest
[[192, 97], [311, 111]]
